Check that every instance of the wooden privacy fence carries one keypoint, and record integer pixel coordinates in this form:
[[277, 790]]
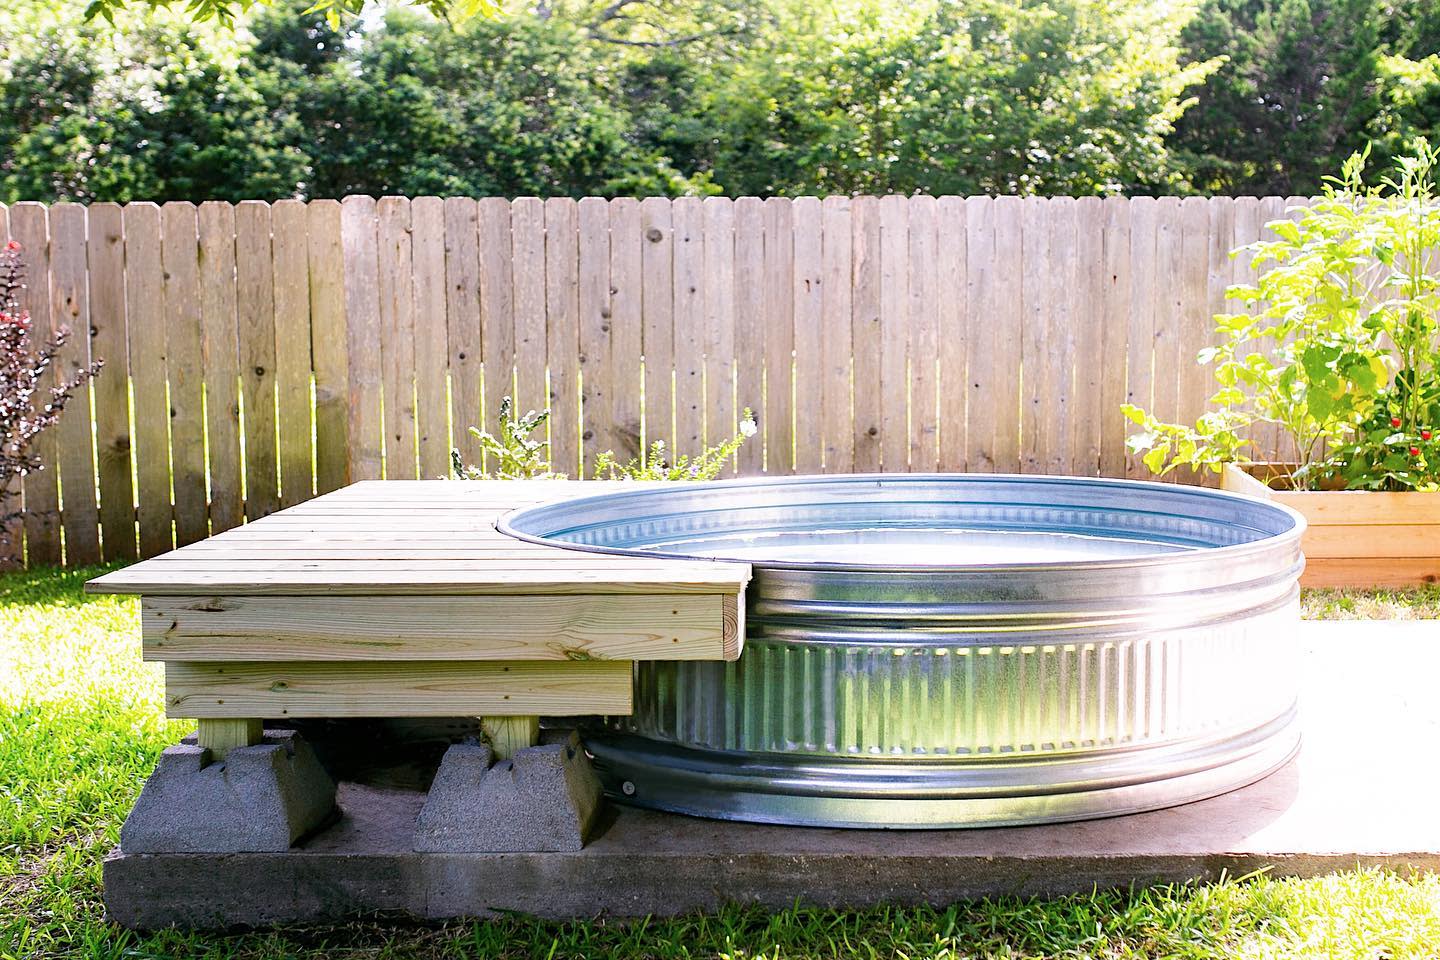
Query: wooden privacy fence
[[259, 354]]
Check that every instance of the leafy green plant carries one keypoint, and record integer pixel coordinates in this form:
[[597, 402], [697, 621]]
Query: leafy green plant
[[655, 465], [1337, 344], [513, 455]]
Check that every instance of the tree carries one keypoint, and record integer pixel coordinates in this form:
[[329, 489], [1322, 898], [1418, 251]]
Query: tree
[[1007, 96], [505, 107], [153, 114], [1292, 99], [334, 11]]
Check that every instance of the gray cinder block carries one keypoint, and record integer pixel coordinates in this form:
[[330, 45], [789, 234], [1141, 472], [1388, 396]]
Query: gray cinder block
[[259, 799], [544, 800]]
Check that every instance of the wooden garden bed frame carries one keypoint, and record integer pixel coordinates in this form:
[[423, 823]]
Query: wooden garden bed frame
[[1358, 538]]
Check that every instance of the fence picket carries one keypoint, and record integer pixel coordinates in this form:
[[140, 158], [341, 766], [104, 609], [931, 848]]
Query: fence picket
[[74, 459], [462, 323], [527, 272], [255, 310], [719, 305], [1057, 425], [106, 258], [836, 337], [657, 259], [865, 334], [1207, 227], [1292, 208], [951, 290], [750, 323], [220, 363], [777, 419], [594, 356], [1037, 378], [1115, 335], [924, 327], [687, 215], [291, 250], [29, 225], [360, 245], [894, 333], [1244, 231], [1169, 306], [1088, 305], [562, 308], [1140, 363], [497, 306], [1007, 318], [806, 220], [180, 254], [626, 330], [397, 336], [328, 343], [427, 216], [982, 334], [144, 300]]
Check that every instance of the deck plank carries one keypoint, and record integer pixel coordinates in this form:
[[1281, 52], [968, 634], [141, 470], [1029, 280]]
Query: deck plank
[[414, 538]]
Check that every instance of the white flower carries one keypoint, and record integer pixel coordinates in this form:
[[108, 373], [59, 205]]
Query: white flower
[[748, 428]]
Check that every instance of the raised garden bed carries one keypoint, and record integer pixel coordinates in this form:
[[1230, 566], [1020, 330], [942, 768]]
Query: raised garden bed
[[1356, 538]]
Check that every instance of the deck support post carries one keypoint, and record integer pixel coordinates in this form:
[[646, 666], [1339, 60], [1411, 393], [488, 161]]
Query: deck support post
[[220, 736], [510, 734]]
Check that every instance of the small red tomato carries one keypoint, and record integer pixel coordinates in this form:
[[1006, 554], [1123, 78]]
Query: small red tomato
[[1425, 434], [1394, 421], [1414, 451]]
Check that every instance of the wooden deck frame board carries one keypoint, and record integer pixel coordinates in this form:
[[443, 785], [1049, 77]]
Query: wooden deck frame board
[[558, 628], [422, 689]]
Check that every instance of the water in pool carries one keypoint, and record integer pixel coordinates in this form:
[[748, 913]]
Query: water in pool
[[911, 546]]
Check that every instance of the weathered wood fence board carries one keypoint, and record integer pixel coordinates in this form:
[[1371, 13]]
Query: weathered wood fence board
[[258, 354]]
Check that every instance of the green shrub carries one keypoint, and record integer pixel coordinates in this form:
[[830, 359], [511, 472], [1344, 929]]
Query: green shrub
[[656, 466], [513, 455]]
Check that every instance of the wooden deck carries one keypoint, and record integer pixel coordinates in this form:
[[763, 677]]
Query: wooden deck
[[400, 598]]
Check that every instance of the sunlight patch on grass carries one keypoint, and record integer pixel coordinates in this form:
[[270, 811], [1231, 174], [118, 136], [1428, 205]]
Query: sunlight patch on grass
[[1419, 603]]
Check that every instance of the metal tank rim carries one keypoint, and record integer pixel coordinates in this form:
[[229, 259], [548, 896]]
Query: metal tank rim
[[511, 523], [936, 795]]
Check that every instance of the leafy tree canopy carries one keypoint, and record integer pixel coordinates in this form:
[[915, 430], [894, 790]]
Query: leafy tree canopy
[[227, 11], [274, 98]]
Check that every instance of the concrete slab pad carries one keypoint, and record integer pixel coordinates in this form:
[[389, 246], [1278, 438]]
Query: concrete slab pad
[[1362, 792]]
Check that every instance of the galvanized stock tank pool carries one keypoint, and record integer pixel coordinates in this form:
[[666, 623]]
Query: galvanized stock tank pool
[[958, 650]]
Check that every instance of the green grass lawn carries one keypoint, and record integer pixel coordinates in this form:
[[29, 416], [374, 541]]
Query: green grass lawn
[[81, 724]]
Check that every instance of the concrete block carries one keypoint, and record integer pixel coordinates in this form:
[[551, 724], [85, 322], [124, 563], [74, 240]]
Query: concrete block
[[544, 800], [260, 799]]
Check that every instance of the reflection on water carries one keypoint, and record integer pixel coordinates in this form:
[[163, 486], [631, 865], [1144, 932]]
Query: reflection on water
[[910, 546]]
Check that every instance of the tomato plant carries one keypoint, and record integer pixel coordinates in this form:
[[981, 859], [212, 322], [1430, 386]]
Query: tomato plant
[[1336, 345]]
